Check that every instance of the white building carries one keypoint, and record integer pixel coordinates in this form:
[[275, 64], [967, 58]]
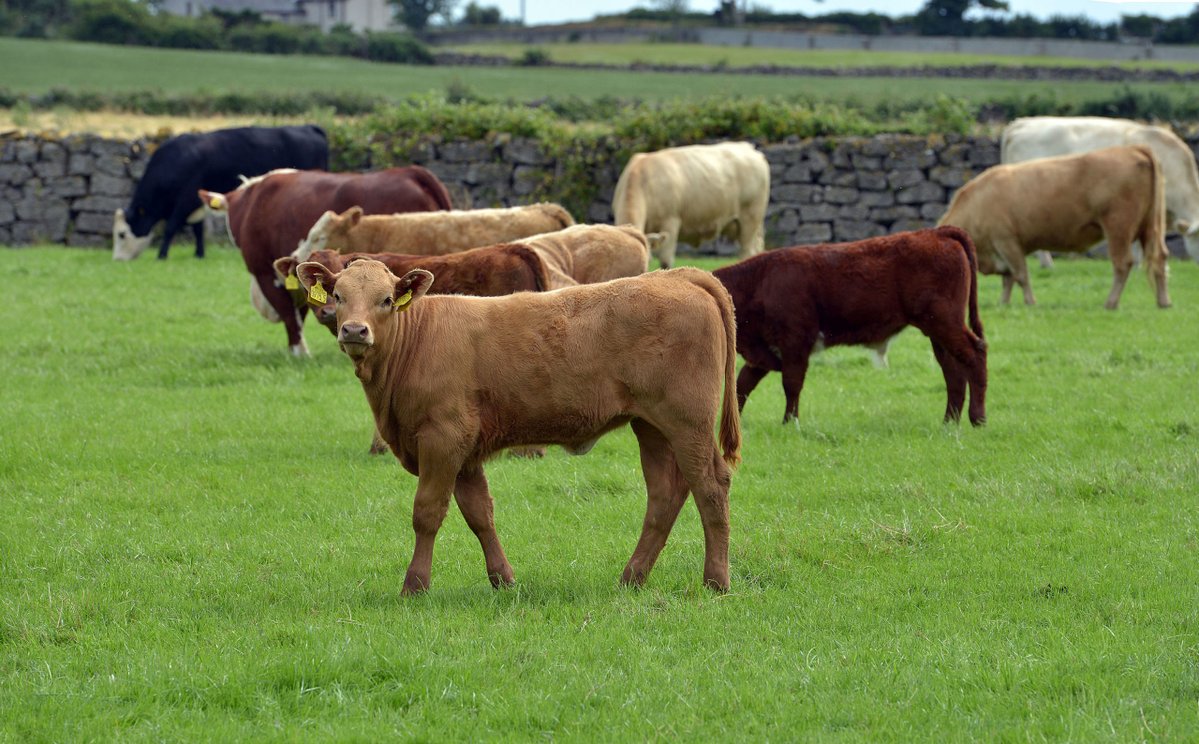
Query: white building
[[361, 15]]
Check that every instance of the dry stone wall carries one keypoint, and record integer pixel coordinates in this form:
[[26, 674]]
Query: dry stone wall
[[822, 189]]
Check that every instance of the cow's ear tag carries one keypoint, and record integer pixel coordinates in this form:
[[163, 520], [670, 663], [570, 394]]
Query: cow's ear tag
[[215, 202], [317, 295], [291, 282], [403, 303]]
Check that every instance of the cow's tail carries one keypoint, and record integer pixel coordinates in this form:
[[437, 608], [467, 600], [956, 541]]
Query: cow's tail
[[626, 209], [433, 186], [730, 415], [1153, 238], [541, 277], [962, 238]]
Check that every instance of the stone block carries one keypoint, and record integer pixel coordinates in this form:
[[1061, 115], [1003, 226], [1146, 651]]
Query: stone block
[[910, 224], [137, 167], [599, 212], [6, 236], [106, 185], [796, 194], [865, 162], [812, 232], [920, 193], [984, 154], [876, 198], [957, 154], [463, 151], [797, 174], [933, 210], [525, 151], [872, 180], [7, 213], [902, 179], [496, 175], [787, 221], [67, 186], [837, 178], [115, 149], [818, 213], [111, 166], [87, 240], [81, 164], [97, 203], [817, 159], [448, 173], [15, 174], [893, 214], [840, 195], [785, 154], [25, 152], [913, 153], [853, 212], [97, 223], [953, 177], [846, 230]]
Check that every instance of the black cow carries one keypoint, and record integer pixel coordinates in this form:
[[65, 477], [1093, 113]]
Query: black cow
[[212, 160]]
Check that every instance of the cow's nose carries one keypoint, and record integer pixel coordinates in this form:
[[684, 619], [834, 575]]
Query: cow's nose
[[354, 332]]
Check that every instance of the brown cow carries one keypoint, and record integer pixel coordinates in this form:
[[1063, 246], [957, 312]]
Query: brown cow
[[795, 301], [268, 215], [1067, 203], [452, 380], [430, 234], [491, 271]]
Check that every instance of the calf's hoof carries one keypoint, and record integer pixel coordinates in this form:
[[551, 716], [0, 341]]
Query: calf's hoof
[[717, 582], [501, 578], [978, 421], [378, 448], [634, 577]]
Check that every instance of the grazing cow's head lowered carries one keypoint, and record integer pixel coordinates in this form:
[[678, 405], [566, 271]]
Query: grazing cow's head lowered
[[366, 295], [127, 246]]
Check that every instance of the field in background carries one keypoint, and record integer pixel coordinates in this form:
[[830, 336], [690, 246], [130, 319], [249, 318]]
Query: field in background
[[39, 66], [196, 545], [744, 56]]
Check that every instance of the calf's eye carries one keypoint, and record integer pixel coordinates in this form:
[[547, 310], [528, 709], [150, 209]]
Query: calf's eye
[[386, 302], [336, 297]]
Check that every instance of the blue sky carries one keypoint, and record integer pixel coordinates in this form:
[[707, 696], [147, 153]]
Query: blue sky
[[554, 11]]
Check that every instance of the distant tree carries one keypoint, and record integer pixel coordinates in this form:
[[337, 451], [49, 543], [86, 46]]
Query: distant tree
[[1142, 25], [946, 17], [675, 8], [480, 15], [415, 14]]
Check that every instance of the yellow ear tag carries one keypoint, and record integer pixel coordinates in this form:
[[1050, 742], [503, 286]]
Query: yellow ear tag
[[215, 202], [403, 303], [291, 282], [317, 295]]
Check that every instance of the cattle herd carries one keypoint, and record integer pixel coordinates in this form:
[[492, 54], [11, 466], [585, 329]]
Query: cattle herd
[[477, 331]]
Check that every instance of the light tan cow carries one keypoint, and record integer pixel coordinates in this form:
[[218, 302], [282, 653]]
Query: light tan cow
[[696, 193], [452, 380], [425, 235], [1067, 203], [588, 254]]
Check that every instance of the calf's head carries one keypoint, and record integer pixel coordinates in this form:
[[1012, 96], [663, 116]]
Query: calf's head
[[366, 296], [285, 269], [330, 229], [125, 245]]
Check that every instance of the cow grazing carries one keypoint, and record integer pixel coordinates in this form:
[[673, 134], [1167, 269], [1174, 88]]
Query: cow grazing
[[270, 214], [430, 234], [213, 160], [1047, 136], [452, 380], [696, 193], [1067, 203], [796, 301], [491, 271]]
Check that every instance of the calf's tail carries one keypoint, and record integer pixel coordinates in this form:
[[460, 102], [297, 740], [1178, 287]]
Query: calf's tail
[[1153, 240], [730, 415], [963, 239]]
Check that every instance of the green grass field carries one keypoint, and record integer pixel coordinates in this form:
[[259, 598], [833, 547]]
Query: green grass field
[[742, 56], [39, 66], [196, 546]]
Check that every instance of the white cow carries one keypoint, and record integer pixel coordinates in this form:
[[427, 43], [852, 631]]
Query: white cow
[[1046, 136], [695, 193]]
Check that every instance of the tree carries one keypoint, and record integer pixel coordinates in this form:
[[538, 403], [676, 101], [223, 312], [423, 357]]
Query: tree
[[945, 17], [480, 15], [415, 14]]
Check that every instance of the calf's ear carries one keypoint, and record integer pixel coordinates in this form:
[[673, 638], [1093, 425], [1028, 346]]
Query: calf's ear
[[311, 274], [411, 287], [353, 214], [285, 266]]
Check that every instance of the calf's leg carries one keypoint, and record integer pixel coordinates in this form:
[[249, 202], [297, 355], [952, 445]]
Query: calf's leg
[[432, 500], [709, 478], [795, 369], [198, 233], [1120, 251], [666, 490], [474, 500], [955, 382], [669, 244], [965, 353]]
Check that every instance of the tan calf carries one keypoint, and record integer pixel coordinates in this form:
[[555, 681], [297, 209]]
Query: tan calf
[[452, 380], [1067, 203], [588, 254], [450, 232]]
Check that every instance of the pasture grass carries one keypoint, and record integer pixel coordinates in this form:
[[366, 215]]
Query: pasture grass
[[196, 545], [747, 56], [37, 66]]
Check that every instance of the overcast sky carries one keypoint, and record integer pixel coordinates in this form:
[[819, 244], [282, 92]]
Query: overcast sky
[[555, 11]]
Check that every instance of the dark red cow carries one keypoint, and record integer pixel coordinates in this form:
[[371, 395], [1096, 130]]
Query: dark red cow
[[269, 215], [793, 302]]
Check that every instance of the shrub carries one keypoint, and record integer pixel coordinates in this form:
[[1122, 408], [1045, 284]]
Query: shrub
[[533, 58], [392, 47], [112, 22]]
